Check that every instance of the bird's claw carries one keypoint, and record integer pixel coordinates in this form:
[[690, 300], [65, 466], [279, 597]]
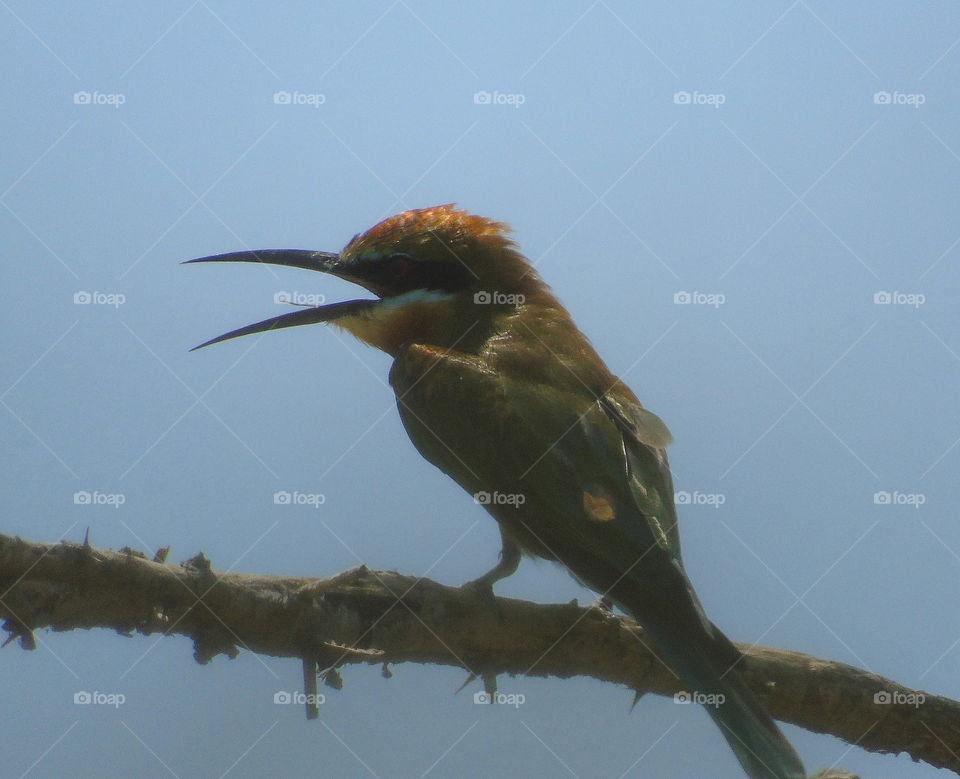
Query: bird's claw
[[603, 603], [482, 587]]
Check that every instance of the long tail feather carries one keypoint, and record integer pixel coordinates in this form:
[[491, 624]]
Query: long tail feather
[[705, 666]]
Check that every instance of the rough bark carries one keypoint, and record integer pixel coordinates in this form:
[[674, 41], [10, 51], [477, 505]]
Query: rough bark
[[379, 617]]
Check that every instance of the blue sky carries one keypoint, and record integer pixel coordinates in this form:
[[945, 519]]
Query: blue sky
[[749, 209]]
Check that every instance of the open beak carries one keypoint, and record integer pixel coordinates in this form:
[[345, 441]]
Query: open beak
[[325, 262]]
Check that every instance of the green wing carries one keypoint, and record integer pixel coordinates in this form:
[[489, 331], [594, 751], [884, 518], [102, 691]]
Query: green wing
[[645, 438], [593, 471]]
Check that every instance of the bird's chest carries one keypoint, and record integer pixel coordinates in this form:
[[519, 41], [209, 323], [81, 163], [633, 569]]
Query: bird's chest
[[497, 437], [457, 423]]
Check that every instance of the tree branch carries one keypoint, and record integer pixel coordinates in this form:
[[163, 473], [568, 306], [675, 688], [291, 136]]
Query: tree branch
[[377, 617]]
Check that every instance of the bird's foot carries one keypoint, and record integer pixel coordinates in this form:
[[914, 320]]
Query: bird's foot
[[603, 603], [483, 589]]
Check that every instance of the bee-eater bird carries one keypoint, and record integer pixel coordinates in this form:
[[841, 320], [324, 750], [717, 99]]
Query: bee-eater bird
[[498, 388]]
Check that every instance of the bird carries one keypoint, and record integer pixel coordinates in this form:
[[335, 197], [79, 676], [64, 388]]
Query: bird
[[498, 388]]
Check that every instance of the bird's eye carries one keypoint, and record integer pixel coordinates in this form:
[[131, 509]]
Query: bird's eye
[[400, 264]]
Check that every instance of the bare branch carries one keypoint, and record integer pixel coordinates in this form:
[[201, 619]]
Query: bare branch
[[379, 618]]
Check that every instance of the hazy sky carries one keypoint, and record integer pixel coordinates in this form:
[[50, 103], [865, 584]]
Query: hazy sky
[[750, 209]]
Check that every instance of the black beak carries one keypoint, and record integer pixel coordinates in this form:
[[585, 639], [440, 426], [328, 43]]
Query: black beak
[[325, 262]]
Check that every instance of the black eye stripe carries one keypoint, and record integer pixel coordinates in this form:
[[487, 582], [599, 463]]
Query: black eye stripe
[[400, 264], [444, 276]]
